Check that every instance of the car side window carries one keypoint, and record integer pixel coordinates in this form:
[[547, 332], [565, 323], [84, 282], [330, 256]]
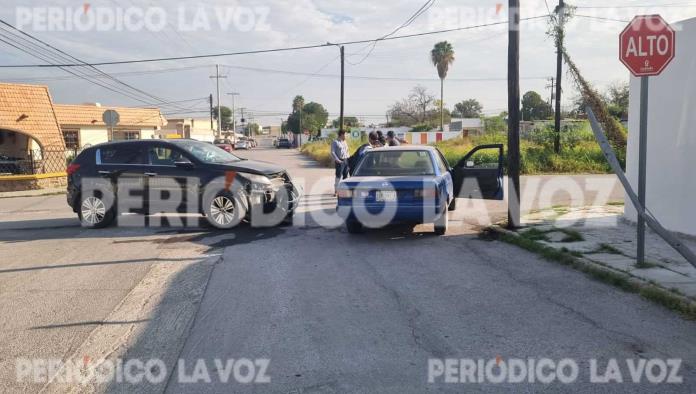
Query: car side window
[[130, 155], [164, 156], [441, 163]]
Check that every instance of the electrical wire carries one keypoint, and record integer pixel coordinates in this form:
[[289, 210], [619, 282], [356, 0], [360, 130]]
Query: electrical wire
[[274, 50]]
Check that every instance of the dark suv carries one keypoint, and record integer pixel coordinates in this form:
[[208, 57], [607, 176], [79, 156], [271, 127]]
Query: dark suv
[[156, 176]]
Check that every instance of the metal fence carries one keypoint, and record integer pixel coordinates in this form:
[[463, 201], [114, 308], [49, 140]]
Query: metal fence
[[36, 161]]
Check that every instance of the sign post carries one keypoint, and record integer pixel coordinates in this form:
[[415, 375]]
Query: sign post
[[111, 119], [646, 46]]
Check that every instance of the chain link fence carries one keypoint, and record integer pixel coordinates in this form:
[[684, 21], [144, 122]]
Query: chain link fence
[[36, 161]]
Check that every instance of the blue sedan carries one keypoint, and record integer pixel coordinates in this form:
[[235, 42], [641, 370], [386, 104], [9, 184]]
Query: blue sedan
[[415, 184]]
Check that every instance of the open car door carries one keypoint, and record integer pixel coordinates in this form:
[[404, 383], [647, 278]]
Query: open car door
[[480, 173]]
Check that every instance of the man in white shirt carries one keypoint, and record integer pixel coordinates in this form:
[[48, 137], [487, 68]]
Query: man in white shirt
[[339, 153]]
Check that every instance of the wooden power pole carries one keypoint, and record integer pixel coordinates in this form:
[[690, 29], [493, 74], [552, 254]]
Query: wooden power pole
[[514, 115], [559, 73]]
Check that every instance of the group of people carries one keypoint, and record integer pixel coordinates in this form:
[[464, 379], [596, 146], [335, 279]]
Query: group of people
[[345, 163]]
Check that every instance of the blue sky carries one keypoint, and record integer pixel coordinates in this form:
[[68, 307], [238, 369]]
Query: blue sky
[[479, 70]]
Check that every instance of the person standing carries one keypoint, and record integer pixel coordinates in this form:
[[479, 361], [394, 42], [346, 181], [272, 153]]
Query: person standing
[[391, 139], [339, 153]]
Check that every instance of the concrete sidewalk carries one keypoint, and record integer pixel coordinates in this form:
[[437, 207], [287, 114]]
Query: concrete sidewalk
[[601, 234], [32, 193]]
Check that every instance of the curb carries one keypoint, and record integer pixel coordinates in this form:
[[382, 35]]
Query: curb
[[651, 291], [32, 193]]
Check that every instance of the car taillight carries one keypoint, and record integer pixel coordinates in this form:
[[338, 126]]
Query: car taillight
[[344, 193], [72, 168], [425, 193]]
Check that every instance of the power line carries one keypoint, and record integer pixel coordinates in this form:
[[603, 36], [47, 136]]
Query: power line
[[259, 51], [601, 18], [670, 5], [63, 55], [408, 22]]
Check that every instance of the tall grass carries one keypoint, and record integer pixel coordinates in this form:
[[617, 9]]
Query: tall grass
[[579, 155]]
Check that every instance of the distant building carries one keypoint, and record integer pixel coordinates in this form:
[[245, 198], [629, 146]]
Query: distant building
[[82, 125], [467, 126], [194, 128]]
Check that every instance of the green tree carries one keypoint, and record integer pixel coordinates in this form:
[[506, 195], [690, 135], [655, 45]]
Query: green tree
[[348, 121], [225, 116], [313, 115], [442, 56], [534, 107], [470, 108], [617, 100]]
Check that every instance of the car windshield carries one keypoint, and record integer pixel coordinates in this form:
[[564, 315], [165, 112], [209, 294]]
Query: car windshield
[[207, 153], [395, 163]]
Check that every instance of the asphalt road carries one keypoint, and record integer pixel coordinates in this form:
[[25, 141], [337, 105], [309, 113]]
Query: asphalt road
[[331, 312]]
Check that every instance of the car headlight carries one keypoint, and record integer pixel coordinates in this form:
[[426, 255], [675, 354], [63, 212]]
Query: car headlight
[[257, 182]]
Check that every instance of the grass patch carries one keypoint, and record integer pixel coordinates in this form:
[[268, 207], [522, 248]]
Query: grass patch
[[651, 291], [321, 150], [582, 156], [646, 265], [606, 248], [534, 234], [571, 235]]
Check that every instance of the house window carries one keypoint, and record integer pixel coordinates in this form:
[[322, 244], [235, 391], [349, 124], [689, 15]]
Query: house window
[[126, 135], [72, 139]]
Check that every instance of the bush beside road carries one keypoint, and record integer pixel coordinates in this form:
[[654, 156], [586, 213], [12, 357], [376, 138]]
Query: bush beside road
[[580, 154]]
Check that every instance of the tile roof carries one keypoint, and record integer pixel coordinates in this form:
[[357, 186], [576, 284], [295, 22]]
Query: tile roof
[[29, 109], [91, 115]]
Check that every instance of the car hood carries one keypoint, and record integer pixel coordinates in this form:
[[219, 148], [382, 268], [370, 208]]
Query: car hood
[[397, 182], [251, 166]]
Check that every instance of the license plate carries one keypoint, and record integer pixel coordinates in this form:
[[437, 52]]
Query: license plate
[[385, 195]]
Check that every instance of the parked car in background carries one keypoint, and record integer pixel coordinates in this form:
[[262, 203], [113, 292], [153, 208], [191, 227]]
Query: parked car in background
[[184, 168], [284, 143], [226, 144], [242, 144], [417, 185]]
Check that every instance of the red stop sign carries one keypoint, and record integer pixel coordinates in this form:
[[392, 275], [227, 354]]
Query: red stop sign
[[647, 45]]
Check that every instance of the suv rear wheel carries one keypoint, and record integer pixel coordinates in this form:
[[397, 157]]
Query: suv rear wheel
[[94, 213]]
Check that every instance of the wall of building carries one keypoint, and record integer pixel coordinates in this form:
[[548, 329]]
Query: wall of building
[[670, 180], [92, 136]]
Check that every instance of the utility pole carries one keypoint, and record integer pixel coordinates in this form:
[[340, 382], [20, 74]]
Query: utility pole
[[299, 135], [217, 77], [551, 86], [342, 86], [514, 114], [242, 120], [559, 73], [234, 119], [210, 100]]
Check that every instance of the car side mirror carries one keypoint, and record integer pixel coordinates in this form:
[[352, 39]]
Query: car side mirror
[[184, 164], [469, 164]]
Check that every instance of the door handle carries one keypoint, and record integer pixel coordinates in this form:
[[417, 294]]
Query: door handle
[[107, 173], [151, 173]]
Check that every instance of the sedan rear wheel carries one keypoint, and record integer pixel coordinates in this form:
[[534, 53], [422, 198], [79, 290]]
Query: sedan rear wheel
[[442, 222]]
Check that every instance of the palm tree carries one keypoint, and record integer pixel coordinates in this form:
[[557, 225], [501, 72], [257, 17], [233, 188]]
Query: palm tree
[[442, 56]]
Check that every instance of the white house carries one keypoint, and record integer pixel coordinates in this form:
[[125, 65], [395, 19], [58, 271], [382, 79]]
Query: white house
[[195, 128], [670, 174], [467, 126], [82, 125]]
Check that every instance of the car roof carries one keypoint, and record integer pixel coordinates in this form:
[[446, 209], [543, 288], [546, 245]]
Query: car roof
[[423, 148]]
